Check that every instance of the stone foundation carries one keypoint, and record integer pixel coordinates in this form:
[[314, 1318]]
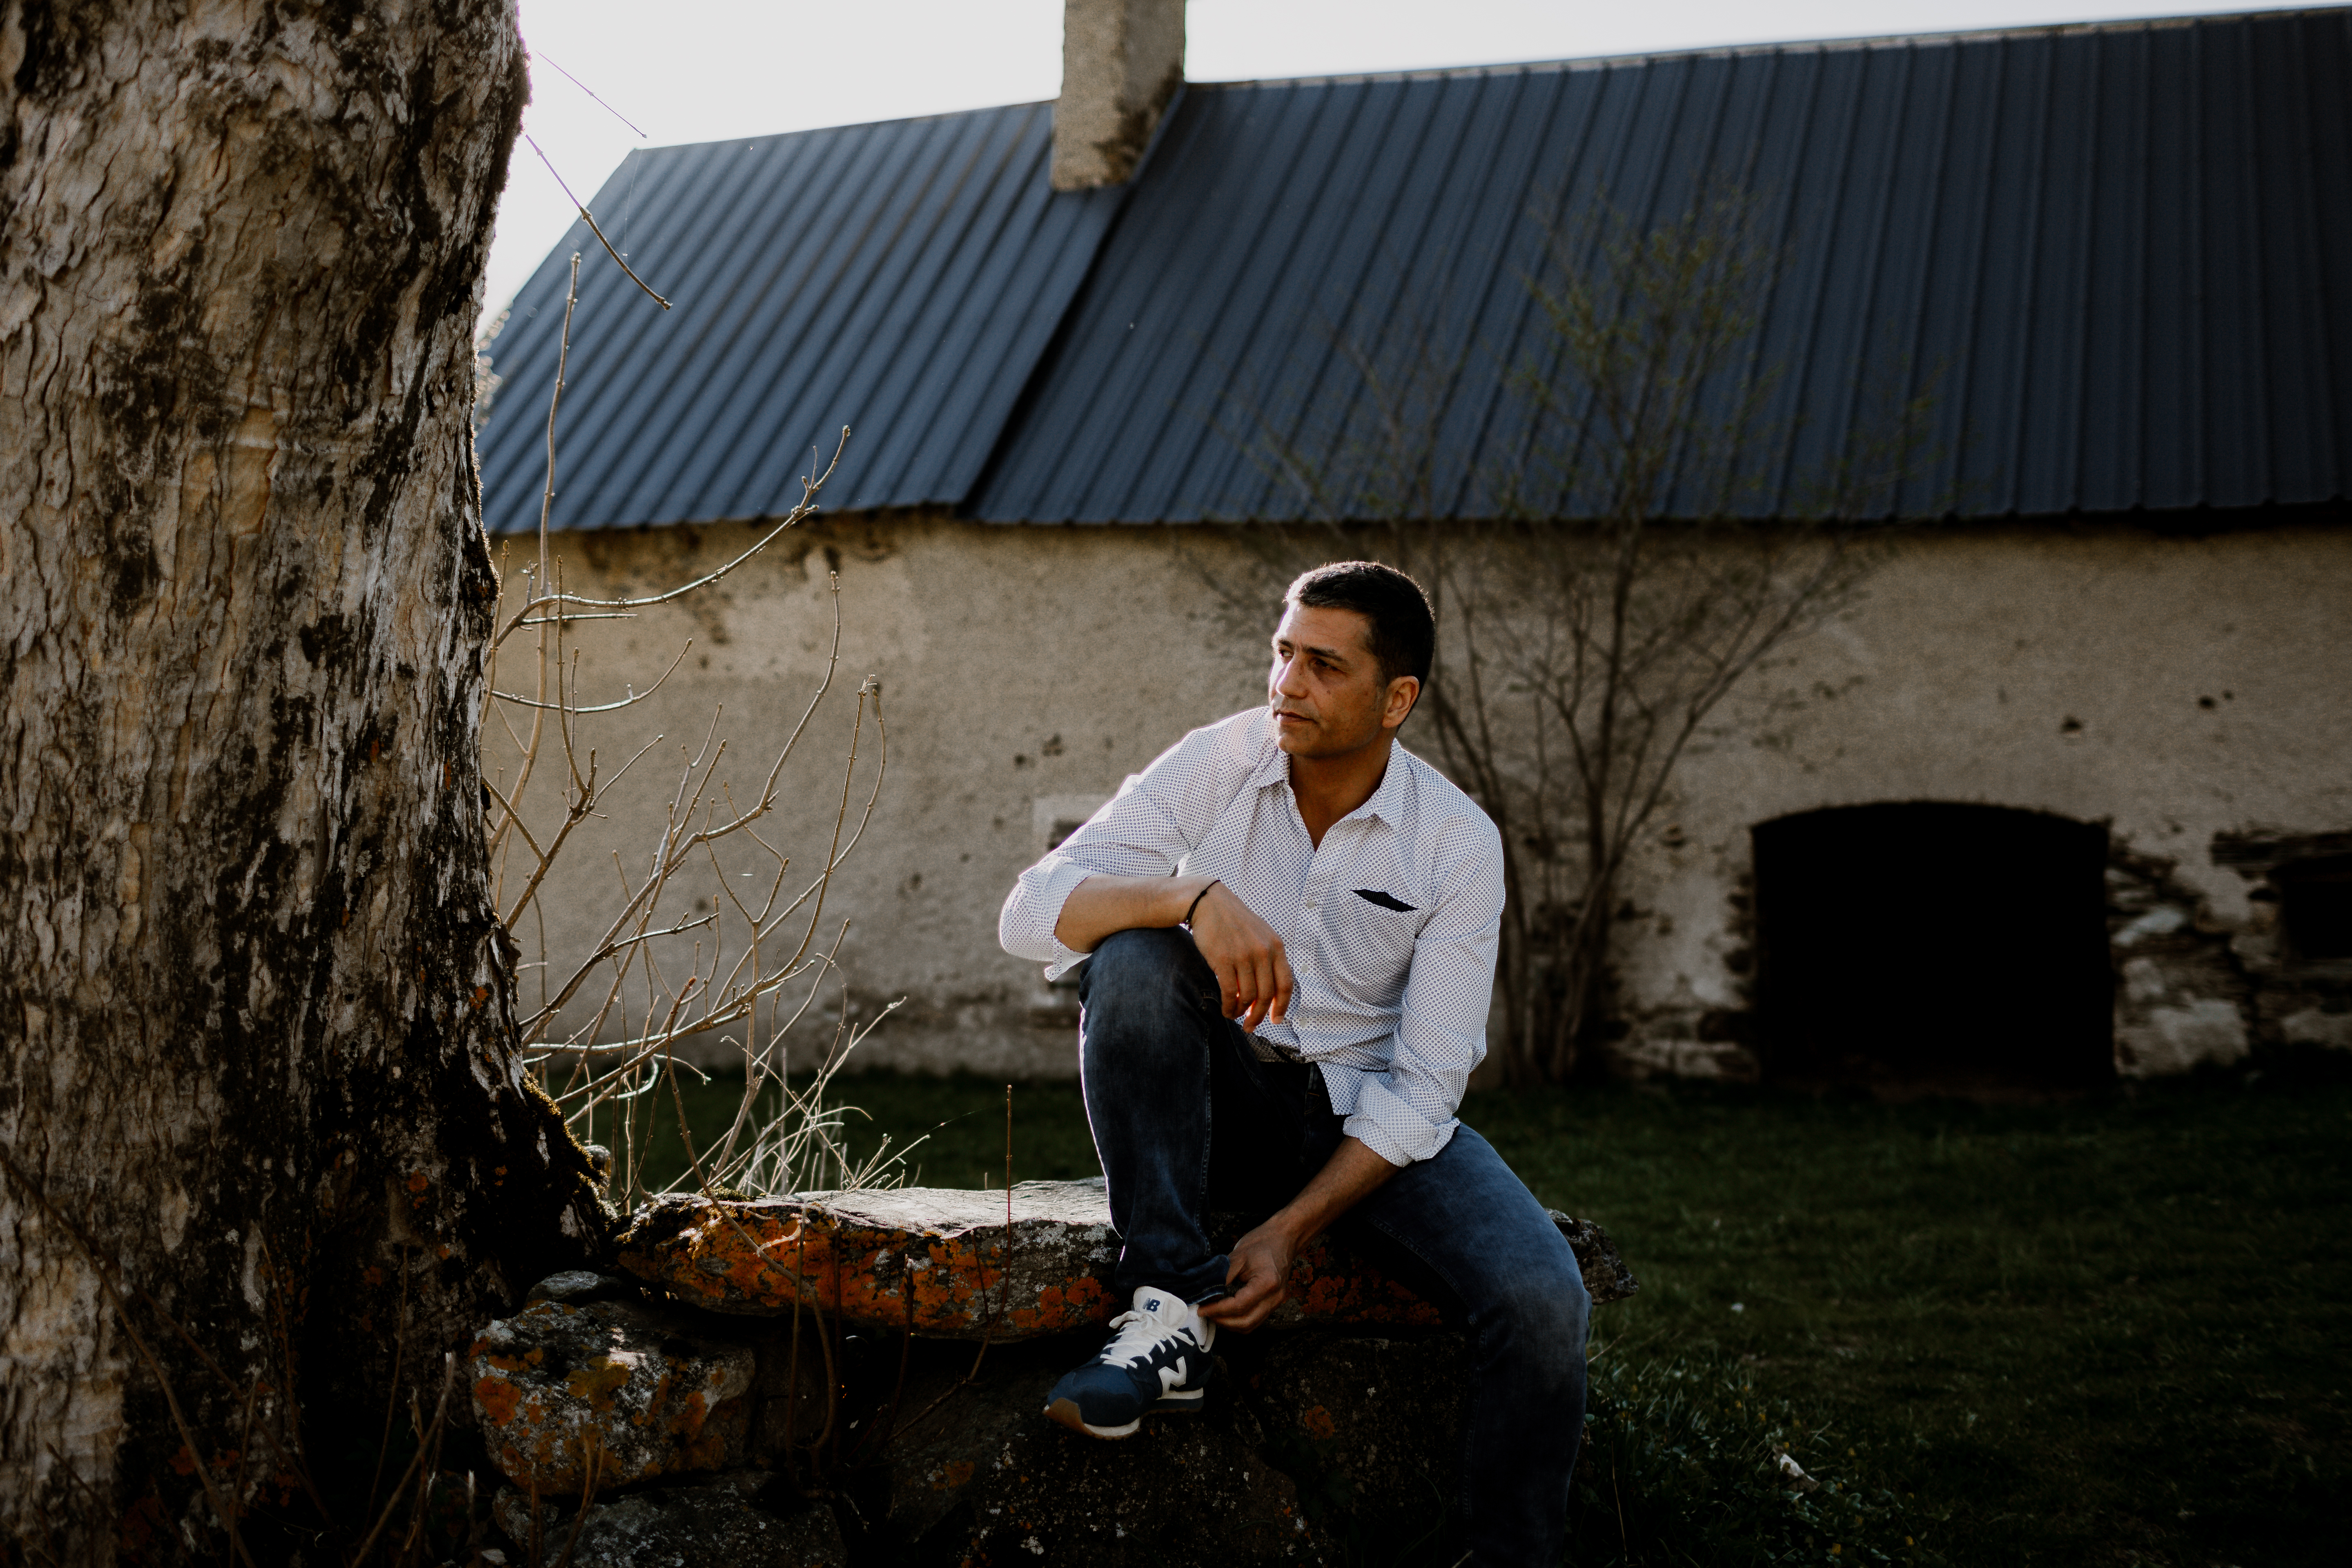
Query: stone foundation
[[863, 1376]]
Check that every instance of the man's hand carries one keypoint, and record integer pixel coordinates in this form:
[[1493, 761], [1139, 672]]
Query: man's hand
[[1258, 1267], [1254, 979], [1258, 1274], [1252, 975]]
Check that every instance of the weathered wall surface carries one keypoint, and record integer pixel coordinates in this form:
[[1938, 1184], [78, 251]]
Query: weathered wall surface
[[1019, 665], [2174, 688]]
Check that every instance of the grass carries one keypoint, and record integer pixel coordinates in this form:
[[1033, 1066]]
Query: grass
[[950, 1128], [2112, 1332]]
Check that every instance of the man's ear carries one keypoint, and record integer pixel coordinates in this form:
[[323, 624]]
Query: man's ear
[[1403, 692]]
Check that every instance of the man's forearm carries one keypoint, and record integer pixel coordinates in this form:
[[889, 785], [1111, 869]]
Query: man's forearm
[[1351, 1175], [1102, 906], [1258, 1273]]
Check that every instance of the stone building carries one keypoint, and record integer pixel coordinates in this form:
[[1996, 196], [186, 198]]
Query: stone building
[[2069, 793]]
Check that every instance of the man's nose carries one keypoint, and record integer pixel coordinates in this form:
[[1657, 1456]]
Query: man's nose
[[1287, 678]]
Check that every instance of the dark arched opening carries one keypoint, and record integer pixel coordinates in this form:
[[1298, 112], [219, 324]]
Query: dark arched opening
[[1933, 945]]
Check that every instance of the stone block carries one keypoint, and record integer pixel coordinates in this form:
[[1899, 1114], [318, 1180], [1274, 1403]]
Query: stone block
[[2313, 1025], [1606, 1277], [649, 1397], [937, 1261], [944, 1263], [2175, 1039], [1319, 1441], [578, 1287], [746, 1519]]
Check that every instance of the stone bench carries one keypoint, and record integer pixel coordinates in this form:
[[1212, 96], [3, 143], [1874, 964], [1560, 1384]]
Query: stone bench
[[959, 1263], [680, 1376]]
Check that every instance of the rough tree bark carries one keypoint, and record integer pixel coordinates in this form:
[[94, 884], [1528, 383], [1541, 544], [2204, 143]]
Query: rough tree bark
[[257, 1035]]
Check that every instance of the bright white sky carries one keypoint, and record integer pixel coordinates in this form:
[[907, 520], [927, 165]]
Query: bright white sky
[[709, 70]]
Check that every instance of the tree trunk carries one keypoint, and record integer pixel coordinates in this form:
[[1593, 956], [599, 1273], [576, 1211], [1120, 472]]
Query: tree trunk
[[260, 1074]]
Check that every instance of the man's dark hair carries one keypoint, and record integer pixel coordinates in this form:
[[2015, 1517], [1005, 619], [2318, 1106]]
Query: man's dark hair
[[1403, 628]]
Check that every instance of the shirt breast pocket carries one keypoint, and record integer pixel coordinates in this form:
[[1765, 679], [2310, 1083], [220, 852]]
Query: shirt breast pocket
[[1368, 942]]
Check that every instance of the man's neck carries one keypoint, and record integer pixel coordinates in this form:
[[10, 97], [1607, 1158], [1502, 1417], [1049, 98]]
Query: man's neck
[[1328, 788]]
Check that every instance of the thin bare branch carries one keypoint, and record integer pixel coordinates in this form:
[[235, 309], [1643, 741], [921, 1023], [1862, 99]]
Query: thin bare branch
[[591, 222]]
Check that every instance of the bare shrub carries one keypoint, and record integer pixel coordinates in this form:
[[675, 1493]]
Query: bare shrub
[[1650, 535], [682, 954]]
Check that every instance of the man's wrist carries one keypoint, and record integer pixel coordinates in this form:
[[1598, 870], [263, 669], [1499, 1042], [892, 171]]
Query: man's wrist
[[1296, 1229], [1310, 1215], [1183, 893]]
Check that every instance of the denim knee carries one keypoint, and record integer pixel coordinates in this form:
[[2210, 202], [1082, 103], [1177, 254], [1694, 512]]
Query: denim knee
[[1148, 966]]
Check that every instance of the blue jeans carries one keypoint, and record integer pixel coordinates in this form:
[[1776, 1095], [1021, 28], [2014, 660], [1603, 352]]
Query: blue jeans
[[1187, 1119]]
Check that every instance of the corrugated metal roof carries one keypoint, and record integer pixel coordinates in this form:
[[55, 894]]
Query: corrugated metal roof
[[900, 277], [2123, 252]]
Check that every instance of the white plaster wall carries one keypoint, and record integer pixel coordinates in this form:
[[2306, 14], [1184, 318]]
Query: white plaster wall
[[1018, 664], [1029, 664], [1956, 679]]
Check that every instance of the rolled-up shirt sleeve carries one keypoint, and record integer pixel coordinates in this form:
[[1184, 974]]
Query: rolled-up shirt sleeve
[[1158, 816], [1025, 926], [1407, 1114]]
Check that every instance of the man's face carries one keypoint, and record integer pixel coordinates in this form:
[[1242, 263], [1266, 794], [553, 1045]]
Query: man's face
[[1325, 690]]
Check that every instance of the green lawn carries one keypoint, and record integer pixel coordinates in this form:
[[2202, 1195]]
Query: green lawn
[[2105, 1332]]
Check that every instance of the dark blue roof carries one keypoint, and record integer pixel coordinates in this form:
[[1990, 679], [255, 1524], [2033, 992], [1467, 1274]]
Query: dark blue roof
[[2123, 253], [900, 277]]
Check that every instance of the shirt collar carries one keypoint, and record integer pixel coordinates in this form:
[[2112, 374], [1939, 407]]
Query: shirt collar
[[1386, 802], [1274, 768]]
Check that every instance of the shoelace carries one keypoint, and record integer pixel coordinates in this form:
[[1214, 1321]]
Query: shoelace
[[1132, 1346]]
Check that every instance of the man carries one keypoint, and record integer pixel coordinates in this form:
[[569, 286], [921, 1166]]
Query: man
[[1288, 924]]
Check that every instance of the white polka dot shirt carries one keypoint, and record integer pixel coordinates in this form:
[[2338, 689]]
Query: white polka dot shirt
[[1391, 927]]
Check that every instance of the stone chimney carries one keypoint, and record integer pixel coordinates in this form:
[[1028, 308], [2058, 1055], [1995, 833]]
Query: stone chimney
[[1122, 60]]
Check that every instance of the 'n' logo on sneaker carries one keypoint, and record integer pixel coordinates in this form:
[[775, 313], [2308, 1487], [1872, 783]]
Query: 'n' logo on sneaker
[[1174, 1377]]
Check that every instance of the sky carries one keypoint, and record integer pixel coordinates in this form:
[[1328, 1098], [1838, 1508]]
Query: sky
[[709, 70]]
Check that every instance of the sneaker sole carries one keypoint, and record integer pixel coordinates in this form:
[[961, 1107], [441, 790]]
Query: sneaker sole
[[1175, 1402], [1066, 1412]]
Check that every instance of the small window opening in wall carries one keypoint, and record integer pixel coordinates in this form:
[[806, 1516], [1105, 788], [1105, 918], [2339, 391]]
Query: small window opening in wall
[[1053, 817], [1935, 945], [2316, 907]]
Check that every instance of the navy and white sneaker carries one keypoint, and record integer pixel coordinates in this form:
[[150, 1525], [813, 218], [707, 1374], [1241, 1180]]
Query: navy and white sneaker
[[1157, 1359]]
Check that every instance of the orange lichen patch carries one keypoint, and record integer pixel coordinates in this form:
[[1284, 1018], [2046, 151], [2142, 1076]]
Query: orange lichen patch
[[557, 1383], [1318, 1422], [597, 1381], [934, 1262], [416, 1182], [1333, 1288], [950, 1280], [496, 1398], [953, 1474]]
